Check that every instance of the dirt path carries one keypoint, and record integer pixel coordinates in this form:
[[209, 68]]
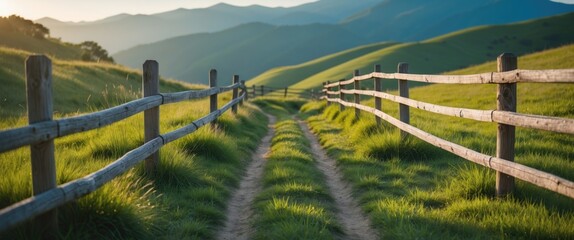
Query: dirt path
[[355, 224], [239, 212]]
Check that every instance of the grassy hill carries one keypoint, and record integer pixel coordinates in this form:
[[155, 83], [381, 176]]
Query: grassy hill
[[77, 86], [457, 50], [285, 76], [51, 47]]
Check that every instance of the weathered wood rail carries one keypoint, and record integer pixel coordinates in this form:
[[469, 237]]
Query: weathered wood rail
[[505, 116], [42, 131], [262, 90]]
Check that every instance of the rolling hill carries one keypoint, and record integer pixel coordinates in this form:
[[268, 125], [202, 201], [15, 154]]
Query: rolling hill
[[78, 86], [246, 50], [285, 76], [52, 47], [456, 50]]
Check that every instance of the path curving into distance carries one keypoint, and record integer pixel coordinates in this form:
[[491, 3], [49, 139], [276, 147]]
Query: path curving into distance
[[239, 212], [355, 223]]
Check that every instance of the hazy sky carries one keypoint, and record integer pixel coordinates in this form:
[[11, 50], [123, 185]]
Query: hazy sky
[[78, 10]]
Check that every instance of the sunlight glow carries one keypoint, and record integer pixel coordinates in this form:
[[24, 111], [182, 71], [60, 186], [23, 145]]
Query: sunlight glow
[[5, 8]]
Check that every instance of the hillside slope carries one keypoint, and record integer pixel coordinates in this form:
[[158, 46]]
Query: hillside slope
[[247, 50], [285, 76], [457, 50], [52, 47], [77, 86], [424, 19]]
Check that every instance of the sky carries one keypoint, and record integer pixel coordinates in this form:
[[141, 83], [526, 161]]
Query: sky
[[84, 10]]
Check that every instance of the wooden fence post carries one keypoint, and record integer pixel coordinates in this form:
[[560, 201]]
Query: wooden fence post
[[327, 93], [244, 92], [262, 90], [40, 109], [235, 93], [357, 96], [341, 96], [213, 98], [286, 90], [505, 137], [378, 88], [151, 116], [403, 92], [254, 91]]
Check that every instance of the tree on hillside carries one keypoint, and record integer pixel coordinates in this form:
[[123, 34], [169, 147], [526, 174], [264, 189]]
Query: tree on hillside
[[25, 26], [93, 52]]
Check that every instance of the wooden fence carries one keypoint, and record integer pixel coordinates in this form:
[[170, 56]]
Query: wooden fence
[[262, 90], [42, 130], [505, 116]]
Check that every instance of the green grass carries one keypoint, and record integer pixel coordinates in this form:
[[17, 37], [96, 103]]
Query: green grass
[[289, 75], [77, 86], [187, 198], [295, 202], [49, 46], [188, 195], [445, 53], [414, 190]]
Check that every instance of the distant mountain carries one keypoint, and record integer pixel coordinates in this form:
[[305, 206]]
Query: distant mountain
[[123, 31], [247, 50], [413, 20]]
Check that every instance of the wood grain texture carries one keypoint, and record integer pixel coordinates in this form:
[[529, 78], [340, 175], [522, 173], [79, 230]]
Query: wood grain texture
[[404, 111], [150, 88], [235, 85], [377, 88], [341, 95], [40, 109], [357, 86], [506, 134]]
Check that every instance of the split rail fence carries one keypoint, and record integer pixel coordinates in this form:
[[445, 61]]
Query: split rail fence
[[505, 115], [262, 90], [43, 129]]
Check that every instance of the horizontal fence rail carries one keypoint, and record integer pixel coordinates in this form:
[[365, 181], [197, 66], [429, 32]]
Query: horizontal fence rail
[[43, 203], [505, 116], [262, 90], [516, 76]]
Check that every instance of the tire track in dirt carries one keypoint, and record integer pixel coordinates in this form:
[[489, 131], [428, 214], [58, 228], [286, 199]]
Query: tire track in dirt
[[354, 222], [239, 212]]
